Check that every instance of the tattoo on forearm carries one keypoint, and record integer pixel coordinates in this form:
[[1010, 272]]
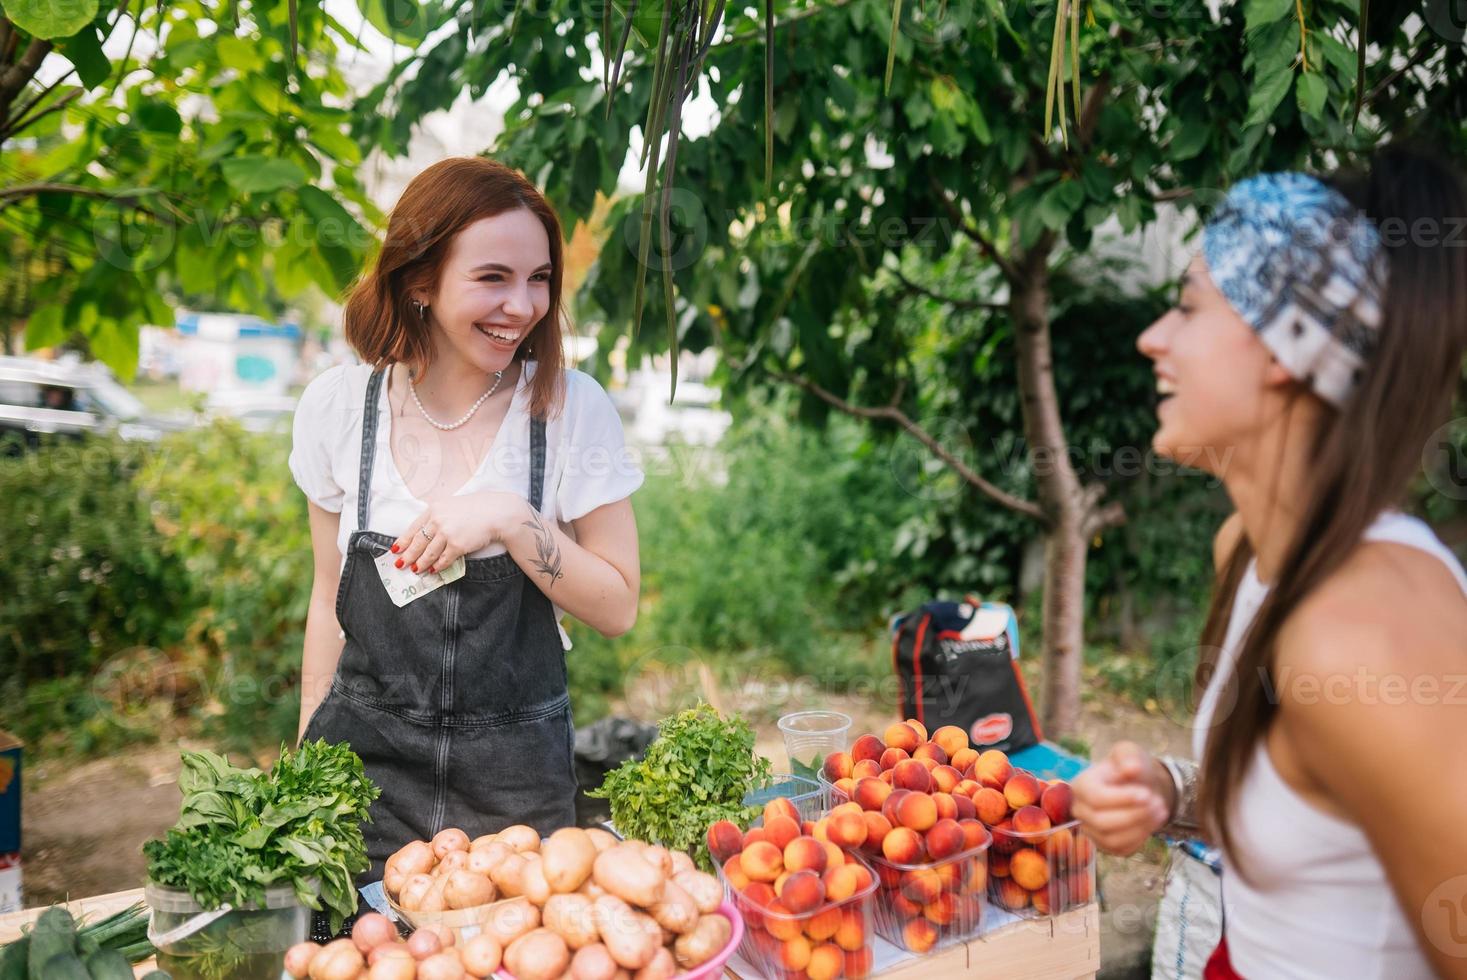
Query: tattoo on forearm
[[547, 552]]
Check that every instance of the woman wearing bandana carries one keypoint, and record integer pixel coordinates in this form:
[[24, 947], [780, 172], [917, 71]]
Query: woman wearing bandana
[[1316, 347]]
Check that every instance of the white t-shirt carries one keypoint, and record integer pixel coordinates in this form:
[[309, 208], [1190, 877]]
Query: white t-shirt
[[587, 462]]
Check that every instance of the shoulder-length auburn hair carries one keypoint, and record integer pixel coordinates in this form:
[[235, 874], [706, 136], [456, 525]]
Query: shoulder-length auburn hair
[[1362, 459], [443, 200]]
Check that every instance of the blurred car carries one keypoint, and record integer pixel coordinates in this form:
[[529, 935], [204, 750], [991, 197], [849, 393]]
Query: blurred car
[[68, 398]]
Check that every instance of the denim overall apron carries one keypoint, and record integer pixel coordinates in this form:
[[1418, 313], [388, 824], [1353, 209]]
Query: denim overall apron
[[457, 701]]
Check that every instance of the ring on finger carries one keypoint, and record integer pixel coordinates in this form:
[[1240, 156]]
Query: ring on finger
[[425, 532]]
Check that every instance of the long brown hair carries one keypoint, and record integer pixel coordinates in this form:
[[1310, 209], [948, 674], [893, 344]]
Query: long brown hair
[[379, 320], [1362, 458]]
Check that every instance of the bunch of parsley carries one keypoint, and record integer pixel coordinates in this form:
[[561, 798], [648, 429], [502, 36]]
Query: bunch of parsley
[[241, 831], [696, 772]]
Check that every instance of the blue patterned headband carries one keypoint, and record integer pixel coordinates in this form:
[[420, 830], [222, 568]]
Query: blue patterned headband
[[1306, 270]]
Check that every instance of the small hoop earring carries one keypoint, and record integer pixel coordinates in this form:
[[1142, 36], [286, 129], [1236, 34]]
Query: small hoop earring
[[422, 309]]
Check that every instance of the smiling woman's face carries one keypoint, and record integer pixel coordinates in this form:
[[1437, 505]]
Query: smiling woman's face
[[1214, 373], [495, 287]]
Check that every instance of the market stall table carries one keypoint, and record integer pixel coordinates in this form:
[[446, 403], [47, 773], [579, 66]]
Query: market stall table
[[1066, 947]]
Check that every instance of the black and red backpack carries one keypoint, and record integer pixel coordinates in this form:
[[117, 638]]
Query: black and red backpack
[[958, 663]]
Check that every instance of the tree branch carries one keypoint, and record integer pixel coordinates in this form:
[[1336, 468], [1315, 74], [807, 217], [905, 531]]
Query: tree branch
[[15, 193], [15, 78], [18, 121], [1090, 108], [1420, 55], [756, 35], [893, 414], [1009, 270], [953, 301]]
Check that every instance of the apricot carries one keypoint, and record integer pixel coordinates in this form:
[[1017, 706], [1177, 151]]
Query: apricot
[[892, 756], [1029, 869], [762, 861], [992, 768], [951, 739], [1056, 802], [779, 882], [841, 883], [886, 776], [1003, 837], [826, 962], [834, 856], [998, 864], [942, 910], [1021, 790], [977, 876], [945, 779], [807, 828], [888, 809], [803, 892], [794, 954], [926, 762], [858, 963], [1045, 901], [760, 893], [819, 829], [1059, 847], [962, 759], [902, 736], [922, 885], [991, 805], [877, 827], [780, 923], [754, 834], [1084, 851], [917, 811], [780, 806], [966, 809], [805, 854], [903, 906], [779, 831], [1011, 895], [851, 934], [967, 787], [919, 936], [930, 750], [846, 786], [847, 829], [822, 925], [1081, 887], [974, 833], [947, 807], [849, 806], [863, 877], [919, 728], [866, 769], [1030, 820], [838, 765], [725, 840], [909, 774], [944, 839], [733, 870], [867, 747], [902, 846], [870, 793]]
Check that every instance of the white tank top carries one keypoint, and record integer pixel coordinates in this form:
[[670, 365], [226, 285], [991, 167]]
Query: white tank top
[[1319, 906]]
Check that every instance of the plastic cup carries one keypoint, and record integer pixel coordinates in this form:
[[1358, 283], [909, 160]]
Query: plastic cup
[[810, 736]]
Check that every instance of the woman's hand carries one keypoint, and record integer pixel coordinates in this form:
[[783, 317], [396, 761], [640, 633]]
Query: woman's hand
[[1123, 799], [458, 526]]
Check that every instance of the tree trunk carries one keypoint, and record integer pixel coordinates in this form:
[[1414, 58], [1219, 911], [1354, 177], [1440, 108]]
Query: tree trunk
[[1067, 508]]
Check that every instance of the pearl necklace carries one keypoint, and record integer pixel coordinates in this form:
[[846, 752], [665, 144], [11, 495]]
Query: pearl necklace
[[413, 388]]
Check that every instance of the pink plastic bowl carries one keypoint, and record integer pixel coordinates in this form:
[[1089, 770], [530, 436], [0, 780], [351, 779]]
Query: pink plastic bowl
[[713, 967]]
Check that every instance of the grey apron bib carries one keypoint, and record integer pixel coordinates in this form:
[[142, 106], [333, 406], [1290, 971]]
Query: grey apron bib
[[456, 702]]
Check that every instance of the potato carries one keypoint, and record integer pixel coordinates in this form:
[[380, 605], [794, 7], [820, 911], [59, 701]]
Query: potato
[[573, 918], [451, 862], [623, 872], [675, 909], [392, 881], [568, 856], [448, 840], [414, 857], [537, 955], [413, 890], [509, 877], [424, 943], [537, 889], [435, 899], [593, 962], [521, 837], [484, 861], [338, 960], [703, 888], [465, 890], [373, 930], [601, 838], [481, 956], [591, 890], [682, 862], [662, 967], [298, 959], [510, 920], [479, 843], [441, 966], [659, 857], [397, 965], [708, 937], [630, 937]]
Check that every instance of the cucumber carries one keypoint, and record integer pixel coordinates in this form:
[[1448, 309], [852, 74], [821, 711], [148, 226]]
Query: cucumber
[[64, 966], [13, 959], [109, 965], [54, 936]]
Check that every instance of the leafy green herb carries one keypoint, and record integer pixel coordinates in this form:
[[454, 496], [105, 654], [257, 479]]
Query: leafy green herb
[[241, 831], [696, 772], [105, 947]]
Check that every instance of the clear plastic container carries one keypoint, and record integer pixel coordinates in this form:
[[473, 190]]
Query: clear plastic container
[[1042, 873], [807, 795], [837, 939], [810, 736], [926, 906], [244, 944]]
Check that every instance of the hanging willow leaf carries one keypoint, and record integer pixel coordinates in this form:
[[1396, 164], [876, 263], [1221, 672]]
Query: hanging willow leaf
[[295, 44], [896, 20], [769, 94], [1360, 61], [621, 51], [1066, 27]]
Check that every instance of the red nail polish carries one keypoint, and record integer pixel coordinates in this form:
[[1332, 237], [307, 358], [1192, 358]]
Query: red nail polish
[[399, 561], [394, 549], [415, 567], [431, 570]]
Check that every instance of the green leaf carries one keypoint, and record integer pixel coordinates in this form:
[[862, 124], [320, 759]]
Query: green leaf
[[1256, 13], [160, 117], [1311, 92], [45, 328], [1059, 202], [48, 19], [1268, 91], [261, 175], [115, 345], [403, 21], [84, 51], [1190, 141], [334, 223]]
